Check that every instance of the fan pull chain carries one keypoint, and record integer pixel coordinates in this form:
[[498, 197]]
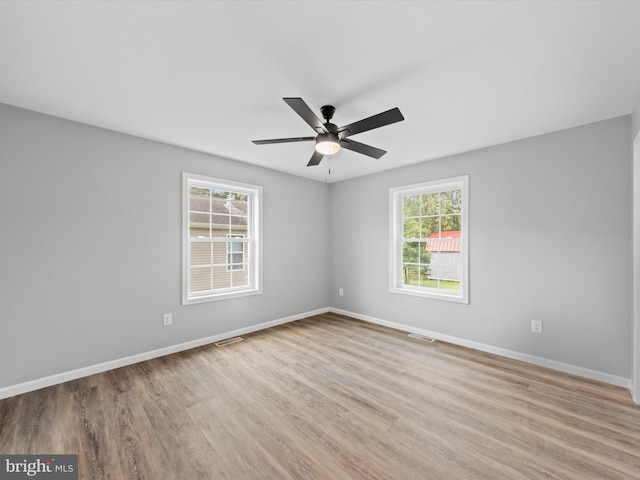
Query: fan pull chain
[[326, 180]]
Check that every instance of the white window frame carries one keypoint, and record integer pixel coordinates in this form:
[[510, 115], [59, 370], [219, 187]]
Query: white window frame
[[253, 239], [396, 238]]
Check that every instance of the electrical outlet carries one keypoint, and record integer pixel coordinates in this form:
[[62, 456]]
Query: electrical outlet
[[341, 292], [536, 326], [167, 319]]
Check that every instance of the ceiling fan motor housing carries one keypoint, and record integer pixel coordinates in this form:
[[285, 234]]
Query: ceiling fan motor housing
[[328, 111]]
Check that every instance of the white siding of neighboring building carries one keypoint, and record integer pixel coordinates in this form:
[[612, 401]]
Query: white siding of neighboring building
[[446, 265]]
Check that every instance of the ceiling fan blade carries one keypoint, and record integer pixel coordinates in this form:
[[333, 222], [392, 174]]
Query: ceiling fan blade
[[315, 159], [283, 140], [301, 108], [376, 121], [362, 148]]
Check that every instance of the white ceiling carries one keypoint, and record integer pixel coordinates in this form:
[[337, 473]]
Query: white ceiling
[[210, 76]]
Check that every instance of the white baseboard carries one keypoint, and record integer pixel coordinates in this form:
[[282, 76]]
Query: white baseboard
[[36, 384], [503, 352]]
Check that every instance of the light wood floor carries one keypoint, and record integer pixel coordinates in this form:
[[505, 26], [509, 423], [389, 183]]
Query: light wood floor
[[330, 397]]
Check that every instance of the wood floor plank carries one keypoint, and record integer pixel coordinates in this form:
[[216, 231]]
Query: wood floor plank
[[331, 397]]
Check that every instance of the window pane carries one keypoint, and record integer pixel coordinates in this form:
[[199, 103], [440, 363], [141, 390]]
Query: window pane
[[446, 267], [201, 253], [221, 277], [425, 253], [450, 245], [451, 223], [200, 279], [219, 253], [411, 228], [411, 206], [199, 199], [424, 271], [411, 275], [451, 201], [240, 278], [411, 252], [199, 225], [219, 202], [430, 226], [239, 230], [220, 229], [431, 204], [237, 204]]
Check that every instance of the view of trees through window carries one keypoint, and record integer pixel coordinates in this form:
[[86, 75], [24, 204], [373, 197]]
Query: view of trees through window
[[432, 233]]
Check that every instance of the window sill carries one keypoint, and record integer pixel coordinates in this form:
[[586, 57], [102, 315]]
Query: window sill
[[431, 294], [220, 296]]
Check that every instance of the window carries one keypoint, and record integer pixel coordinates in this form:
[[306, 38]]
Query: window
[[221, 239], [430, 239]]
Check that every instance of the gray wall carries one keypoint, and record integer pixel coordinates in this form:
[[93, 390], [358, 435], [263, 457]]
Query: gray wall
[[635, 119], [90, 246], [555, 203]]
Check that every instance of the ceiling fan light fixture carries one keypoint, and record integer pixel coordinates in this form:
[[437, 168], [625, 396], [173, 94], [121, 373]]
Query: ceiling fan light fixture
[[328, 144]]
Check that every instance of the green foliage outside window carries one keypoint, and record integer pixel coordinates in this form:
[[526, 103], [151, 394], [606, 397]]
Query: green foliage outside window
[[423, 216], [431, 213]]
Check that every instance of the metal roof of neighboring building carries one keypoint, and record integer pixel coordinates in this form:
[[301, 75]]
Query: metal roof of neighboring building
[[442, 245]]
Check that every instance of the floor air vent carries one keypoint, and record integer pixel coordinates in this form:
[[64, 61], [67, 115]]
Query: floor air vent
[[422, 337], [228, 341]]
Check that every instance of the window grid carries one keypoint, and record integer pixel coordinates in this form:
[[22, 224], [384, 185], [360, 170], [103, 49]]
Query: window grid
[[429, 243], [221, 247]]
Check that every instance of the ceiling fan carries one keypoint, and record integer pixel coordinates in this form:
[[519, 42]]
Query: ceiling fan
[[330, 138]]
